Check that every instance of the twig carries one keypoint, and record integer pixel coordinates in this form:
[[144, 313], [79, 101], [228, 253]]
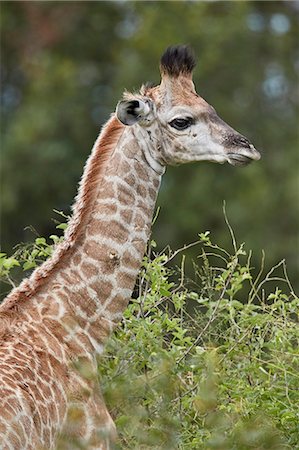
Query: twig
[[213, 315], [229, 227], [185, 247]]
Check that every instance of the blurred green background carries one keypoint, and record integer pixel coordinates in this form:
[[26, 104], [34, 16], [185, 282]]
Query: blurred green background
[[66, 64]]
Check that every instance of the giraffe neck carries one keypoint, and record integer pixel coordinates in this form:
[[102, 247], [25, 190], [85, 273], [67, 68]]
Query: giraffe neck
[[70, 304], [100, 275], [86, 284]]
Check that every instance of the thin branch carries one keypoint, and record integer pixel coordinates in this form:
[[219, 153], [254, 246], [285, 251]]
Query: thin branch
[[185, 247], [284, 267], [213, 315], [229, 227]]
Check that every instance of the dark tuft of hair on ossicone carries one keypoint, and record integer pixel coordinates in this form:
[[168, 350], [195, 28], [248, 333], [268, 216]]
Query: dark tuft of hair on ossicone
[[177, 60]]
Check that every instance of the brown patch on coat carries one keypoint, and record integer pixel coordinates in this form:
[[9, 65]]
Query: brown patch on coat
[[139, 245], [103, 291], [107, 209], [125, 195], [140, 222], [152, 193], [117, 304], [125, 167], [89, 270], [126, 215], [141, 190], [142, 172], [125, 280], [113, 230], [77, 259], [145, 207], [130, 261], [102, 332], [130, 179]]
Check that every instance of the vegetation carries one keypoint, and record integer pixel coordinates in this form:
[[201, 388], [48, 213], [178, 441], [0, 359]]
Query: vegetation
[[207, 363]]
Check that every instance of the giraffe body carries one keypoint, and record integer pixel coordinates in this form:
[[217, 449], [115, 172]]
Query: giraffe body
[[55, 323]]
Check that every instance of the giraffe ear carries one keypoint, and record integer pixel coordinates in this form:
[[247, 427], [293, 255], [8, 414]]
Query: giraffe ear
[[132, 111]]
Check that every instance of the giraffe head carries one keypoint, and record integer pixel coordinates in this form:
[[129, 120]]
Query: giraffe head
[[178, 123]]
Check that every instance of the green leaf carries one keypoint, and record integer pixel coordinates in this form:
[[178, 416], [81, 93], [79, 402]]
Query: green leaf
[[62, 226], [9, 263], [29, 265], [40, 241]]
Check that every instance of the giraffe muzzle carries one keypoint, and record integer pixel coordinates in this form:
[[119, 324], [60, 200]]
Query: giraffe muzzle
[[240, 151], [241, 158]]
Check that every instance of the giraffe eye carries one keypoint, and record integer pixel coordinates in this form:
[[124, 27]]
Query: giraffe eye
[[181, 124]]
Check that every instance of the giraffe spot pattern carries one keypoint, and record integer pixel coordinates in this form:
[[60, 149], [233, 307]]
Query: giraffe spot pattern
[[43, 393]]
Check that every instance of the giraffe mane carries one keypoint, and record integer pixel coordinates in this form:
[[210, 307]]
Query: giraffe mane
[[92, 174]]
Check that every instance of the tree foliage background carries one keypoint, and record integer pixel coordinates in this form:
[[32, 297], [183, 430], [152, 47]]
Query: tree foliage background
[[66, 64]]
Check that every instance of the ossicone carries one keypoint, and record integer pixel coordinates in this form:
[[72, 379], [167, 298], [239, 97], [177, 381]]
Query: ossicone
[[177, 60]]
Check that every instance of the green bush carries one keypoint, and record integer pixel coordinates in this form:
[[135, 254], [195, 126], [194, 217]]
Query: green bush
[[208, 363]]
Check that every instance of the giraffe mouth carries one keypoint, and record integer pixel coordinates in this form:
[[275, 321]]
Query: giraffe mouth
[[241, 159]]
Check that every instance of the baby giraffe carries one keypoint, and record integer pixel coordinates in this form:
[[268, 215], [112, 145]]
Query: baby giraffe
[[59, 319]]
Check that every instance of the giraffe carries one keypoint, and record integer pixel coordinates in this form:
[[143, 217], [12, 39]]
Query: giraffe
[[58, 320]]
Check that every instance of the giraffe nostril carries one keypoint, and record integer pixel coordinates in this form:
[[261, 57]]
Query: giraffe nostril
[[237, 140], [244, 142], [240, 141]]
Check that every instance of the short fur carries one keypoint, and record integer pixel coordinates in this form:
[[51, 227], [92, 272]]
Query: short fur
[[56, 321], [177, 60], [95, 167]]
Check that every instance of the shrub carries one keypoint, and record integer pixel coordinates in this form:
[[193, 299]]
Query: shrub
[[207, 363]]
